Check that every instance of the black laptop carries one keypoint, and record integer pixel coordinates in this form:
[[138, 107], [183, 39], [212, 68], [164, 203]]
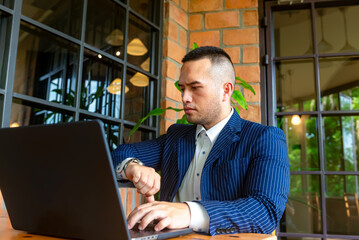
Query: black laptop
[[59, 180]]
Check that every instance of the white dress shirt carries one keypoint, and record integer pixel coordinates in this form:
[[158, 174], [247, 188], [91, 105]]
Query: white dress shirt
[[190, 189]]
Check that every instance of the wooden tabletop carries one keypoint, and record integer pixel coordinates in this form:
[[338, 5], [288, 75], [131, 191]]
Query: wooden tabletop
[[7, 233]]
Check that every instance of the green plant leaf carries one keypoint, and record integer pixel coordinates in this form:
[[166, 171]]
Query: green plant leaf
[[182, 120], [237, 110], [174, 109], [177, 86], [238, 97], [58, 91], [245, 85], [154, 112], [195, 46]]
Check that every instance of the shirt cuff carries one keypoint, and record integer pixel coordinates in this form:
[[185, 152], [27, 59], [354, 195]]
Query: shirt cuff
[[199, 217], [119, 173]]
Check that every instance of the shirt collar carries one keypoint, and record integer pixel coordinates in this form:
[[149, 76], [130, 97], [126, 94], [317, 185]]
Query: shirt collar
[[214, 131]]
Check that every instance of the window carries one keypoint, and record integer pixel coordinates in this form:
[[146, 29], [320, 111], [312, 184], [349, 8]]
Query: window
[[78, 60], [313, 96]]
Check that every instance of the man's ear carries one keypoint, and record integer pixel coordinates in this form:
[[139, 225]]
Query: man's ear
[[227, 91]]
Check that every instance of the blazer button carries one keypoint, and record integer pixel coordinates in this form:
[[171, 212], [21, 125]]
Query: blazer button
[[233, 230], [228, 230]]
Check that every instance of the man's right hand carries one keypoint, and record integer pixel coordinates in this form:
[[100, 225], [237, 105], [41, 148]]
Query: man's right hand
[[145, 179]]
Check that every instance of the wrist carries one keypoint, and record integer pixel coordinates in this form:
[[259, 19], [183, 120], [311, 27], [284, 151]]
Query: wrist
[[132, 161]]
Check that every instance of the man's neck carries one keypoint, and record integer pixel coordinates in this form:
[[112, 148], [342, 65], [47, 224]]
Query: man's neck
[[224, 116]]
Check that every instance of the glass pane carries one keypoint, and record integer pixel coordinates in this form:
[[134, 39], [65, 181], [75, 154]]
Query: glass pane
[[337, 29], [46, 66], [112, 131], [63, 15], [303, 212], [342, 204], [292, 33], [1, 107], [5, 30], [302, 141], [140, 98], [295, 84], [138, 136], [105, 26], [7, 3], [139, 46], [101, 85], [25, 114], [339, 84], [341, 138], [144, 7]]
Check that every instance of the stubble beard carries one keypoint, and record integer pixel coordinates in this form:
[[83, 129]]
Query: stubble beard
[[206, 118]]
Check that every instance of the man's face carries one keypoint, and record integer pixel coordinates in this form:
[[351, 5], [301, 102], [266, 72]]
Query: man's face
[[200, 93]]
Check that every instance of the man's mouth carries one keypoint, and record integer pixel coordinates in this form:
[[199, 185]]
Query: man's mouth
[[189, 110]]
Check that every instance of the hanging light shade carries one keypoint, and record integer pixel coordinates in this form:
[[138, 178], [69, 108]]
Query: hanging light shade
[[296, 120], [136, 48], [139, 80], [14, 125], [146, 65], [115, 38], [115, 87]]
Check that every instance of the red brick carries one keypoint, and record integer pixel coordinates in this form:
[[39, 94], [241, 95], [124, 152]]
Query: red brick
[[249, 74], [129, 201], [252, 114], [165, 124], [250, 97], [240, 36], [169, 69], [205, 5], [184, 5], [169, 114], [183, 37], [170, 30], [234, 53], [222, 19], [251, 54], [173, 50], [172, 92], [210, 38], [195, 22], [178, 15], [241, 3], [250, 18]]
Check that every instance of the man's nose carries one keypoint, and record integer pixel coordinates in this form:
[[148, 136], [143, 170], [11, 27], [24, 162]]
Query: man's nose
[[186, 96]]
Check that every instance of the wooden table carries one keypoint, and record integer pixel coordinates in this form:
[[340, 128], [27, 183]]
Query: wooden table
[[7, 233]]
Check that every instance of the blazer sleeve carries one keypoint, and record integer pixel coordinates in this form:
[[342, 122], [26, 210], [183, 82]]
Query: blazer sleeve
[[149, 152], [265, 192]]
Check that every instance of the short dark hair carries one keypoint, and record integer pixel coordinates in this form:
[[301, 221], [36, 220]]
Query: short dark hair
[[214, 54]]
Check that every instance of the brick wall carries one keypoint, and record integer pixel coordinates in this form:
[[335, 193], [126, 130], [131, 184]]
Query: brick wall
[[229, 24]]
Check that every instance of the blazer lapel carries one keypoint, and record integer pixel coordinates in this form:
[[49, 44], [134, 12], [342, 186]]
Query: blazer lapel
[[228, 135], [185, 152]]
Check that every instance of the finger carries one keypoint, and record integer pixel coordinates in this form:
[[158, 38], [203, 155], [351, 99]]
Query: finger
[[141, 182], [154, 214], [138, 213], [155, 188], [165, 222], [150, 199]]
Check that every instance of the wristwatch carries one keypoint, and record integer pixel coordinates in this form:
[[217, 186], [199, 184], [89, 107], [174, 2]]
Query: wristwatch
[[121, 171]]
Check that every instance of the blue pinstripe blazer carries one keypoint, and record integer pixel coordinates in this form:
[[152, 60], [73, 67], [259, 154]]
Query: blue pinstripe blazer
[[245, 180]]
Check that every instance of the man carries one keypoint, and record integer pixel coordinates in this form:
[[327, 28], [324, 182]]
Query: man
[[221, 175]]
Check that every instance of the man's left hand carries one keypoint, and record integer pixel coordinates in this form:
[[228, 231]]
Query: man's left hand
[[170, 215]]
